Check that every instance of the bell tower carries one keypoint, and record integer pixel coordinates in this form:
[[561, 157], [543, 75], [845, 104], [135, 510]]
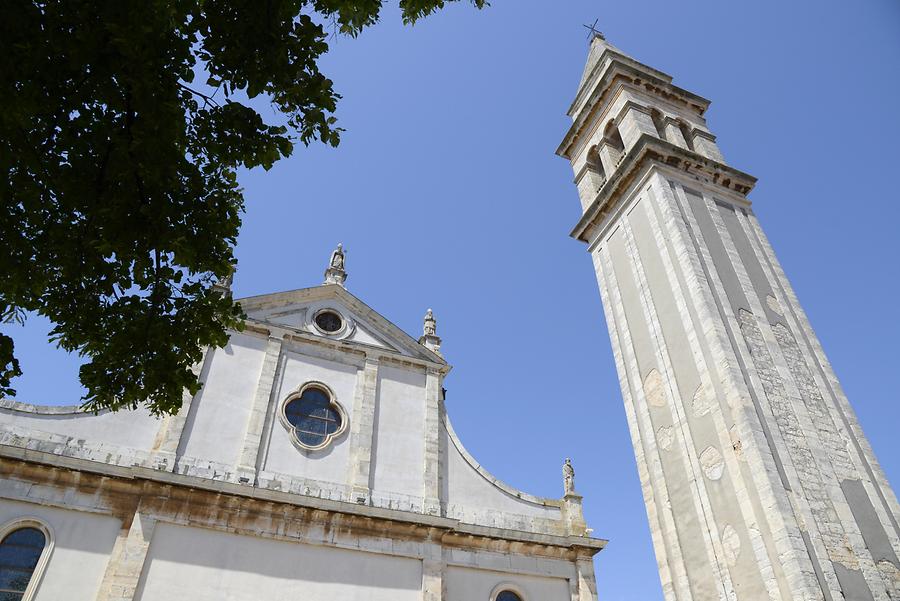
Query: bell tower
[[757, 479]]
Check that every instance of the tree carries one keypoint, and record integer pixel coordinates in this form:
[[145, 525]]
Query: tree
[[122, 125]]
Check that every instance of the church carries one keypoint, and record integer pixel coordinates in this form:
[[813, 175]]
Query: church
[[318, 460]]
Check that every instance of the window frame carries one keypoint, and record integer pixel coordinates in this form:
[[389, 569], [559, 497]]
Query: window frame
[[337, 331], [333, 403], [41, 566], [508, 586]]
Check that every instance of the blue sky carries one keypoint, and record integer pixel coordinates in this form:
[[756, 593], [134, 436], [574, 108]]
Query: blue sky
[[446, 194]]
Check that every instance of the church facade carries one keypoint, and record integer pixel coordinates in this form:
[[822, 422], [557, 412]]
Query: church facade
[[758, 481], [317, 462]]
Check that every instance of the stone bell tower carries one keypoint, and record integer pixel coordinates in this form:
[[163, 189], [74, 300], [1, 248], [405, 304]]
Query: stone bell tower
[[758, 481]]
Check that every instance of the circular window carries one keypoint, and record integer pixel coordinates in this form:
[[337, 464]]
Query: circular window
[[508, 596], [314, 418], [329, 321]]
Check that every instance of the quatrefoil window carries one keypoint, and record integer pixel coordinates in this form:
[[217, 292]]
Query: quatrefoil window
[[313, 416]]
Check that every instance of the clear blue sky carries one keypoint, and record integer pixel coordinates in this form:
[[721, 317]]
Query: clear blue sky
[[447, 194]]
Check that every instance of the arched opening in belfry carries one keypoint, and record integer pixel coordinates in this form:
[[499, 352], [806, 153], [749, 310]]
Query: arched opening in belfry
[[595, 171], [613, 137]]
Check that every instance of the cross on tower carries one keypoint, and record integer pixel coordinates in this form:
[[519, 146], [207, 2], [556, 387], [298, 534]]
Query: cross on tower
[[594, 32]]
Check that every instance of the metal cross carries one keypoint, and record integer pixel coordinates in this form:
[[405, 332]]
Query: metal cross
[[594, 32]]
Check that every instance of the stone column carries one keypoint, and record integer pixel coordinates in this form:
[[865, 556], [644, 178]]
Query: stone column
[[432, 491], [673, 133], [634, 122], [245, 473], [362, 430], [705, 144], [126, 563], [609, 157]]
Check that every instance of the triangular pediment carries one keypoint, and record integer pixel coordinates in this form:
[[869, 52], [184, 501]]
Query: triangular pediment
[[360, 324]]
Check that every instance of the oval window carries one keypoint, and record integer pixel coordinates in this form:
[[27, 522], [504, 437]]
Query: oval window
[[329, 321], [313, 417]]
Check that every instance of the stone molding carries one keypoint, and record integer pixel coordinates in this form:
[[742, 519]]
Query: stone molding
[[227, 506], [16, 406], [651, 149], [361, 311], [335, 404]]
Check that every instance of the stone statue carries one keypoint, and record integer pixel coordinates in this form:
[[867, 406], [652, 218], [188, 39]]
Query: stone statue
[[569, 477], [335, 273], [430, 326], [227, 280], [224, 284], [337, 257]]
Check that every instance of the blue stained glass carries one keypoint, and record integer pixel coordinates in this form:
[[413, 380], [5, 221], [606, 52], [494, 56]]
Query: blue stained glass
[[313, 417], [309, 439], [508, 596], [14, 580], [19, 554], [30, 537], [18, 557], [311, 424]]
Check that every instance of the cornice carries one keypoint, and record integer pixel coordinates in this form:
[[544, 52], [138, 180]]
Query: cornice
[[361, 349], [184, 483], [650, 149]]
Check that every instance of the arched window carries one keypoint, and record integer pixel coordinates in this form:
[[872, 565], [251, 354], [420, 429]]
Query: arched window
[[507, 591], [21, 551]]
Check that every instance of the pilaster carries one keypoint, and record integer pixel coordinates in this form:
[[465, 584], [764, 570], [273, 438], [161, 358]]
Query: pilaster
[[248, 459], [431, 493], [432, 572], [584, 584], [126, 563], [362, 430], [172, 427]]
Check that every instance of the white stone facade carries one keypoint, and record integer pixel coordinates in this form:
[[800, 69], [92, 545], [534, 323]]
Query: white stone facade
[[222, 501], [758, 482]]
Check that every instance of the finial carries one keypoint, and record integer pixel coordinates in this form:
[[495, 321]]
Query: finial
[[335, 274], [430, 339], [594, 32], [569, 477]]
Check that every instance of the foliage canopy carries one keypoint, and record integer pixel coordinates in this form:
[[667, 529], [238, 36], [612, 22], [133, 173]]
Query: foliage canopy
[[120, 199]]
